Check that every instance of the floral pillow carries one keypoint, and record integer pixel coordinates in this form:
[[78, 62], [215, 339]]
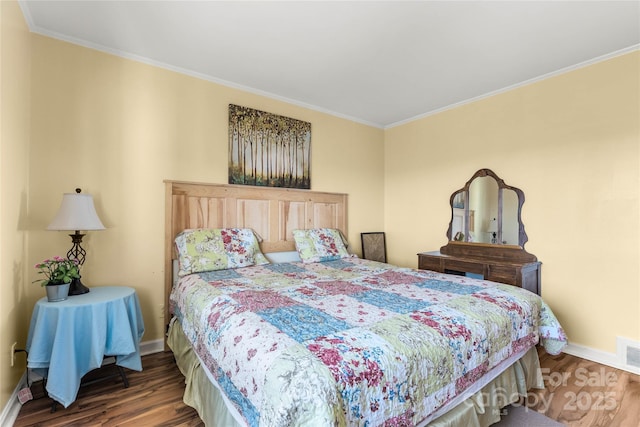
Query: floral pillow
[[320, 244], [208, 249]]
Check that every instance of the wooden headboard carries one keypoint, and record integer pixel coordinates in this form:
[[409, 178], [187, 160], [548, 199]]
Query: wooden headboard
[[272, 213]]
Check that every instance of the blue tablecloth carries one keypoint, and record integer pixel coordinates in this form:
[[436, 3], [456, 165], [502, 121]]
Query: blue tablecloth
[[67, 339]]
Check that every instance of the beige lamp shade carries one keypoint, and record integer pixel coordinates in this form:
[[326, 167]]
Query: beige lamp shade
[[76, 212]]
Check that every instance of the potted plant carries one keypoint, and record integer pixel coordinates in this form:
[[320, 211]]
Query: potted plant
[[58, 273]]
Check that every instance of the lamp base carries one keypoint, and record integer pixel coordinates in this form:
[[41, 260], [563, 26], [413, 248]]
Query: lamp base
[[77, 288]]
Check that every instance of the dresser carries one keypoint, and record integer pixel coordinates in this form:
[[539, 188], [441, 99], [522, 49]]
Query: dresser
[[521, 273], [486, 235]]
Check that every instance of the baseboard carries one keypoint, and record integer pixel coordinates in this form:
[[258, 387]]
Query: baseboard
[[599, 356], [12, 408], [150, 347]]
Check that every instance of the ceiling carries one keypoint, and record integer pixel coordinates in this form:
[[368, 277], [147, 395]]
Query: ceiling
[[380, 63]]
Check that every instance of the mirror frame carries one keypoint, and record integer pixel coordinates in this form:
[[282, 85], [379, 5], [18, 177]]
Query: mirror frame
[[522, 235]]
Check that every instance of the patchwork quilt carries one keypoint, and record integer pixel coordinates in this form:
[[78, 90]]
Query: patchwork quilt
[[351, 341]]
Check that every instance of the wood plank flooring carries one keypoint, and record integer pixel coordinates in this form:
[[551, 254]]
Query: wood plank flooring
[[582, 393], [153, 398], [579, 393]]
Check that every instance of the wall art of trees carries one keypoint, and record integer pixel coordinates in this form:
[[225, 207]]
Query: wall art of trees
[[268, 150]]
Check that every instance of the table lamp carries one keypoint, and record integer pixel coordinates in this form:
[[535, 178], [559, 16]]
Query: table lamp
[[76, 213]]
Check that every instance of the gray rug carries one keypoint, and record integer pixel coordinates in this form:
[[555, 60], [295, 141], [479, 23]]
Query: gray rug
[[520, 416]]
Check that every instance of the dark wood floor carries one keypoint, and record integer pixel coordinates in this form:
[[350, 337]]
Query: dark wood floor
[[579, 393], [153, 398]]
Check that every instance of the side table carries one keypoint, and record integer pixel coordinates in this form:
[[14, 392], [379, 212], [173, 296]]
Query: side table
[[67, 339]]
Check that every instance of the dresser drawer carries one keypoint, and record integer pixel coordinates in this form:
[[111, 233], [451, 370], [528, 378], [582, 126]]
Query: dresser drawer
[[464, 266], [503, 273], [430, 263]]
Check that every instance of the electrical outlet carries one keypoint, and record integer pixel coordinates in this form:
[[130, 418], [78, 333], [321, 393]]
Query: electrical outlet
[[13, 353]]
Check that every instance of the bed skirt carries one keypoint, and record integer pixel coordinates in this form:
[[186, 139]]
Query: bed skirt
[[481, 409]]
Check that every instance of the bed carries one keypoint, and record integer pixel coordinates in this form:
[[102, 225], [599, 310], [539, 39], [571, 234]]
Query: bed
[[316, 336]]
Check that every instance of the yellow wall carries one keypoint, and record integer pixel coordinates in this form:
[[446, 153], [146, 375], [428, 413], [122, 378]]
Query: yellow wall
[[14, 166], [118, 128], [75, 117], [571, 143]]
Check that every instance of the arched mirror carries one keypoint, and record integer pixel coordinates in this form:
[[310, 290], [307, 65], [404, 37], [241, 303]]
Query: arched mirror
[[488, 211], [486, 235]]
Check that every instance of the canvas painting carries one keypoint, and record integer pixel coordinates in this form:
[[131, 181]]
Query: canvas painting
[[268, 150]]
